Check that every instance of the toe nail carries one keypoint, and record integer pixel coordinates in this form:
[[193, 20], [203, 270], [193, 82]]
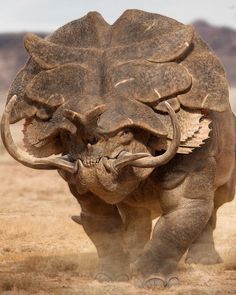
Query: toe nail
[[152, 283], [102, 278], [172, 282]]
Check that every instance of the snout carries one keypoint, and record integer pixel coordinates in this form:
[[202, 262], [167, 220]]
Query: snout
[[110, 178], [113, 164]]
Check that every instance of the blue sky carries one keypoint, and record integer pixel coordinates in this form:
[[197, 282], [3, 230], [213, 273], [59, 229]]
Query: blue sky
[[47, 15]]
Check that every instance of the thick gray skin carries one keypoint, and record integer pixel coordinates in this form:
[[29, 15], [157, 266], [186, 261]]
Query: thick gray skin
[[186, 192]]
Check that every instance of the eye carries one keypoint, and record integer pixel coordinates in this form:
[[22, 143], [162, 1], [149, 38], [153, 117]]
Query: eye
[[125, 132], [92, 140], [126, 136]]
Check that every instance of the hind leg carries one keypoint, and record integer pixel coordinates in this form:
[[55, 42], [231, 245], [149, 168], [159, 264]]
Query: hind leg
[[203, 249]]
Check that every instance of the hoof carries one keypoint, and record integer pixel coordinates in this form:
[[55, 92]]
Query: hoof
[[122, 278], [77, 219], [154, 282], [102, 278], [172, 282], [203, 259], [203, 253], [159, 282]]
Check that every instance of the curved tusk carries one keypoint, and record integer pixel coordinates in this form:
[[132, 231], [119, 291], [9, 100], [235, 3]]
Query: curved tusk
[[172, 149], [150, 161], [20, 155], [126, 158]]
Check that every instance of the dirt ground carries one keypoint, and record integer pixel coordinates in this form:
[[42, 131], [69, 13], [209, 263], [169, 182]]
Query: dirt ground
[[43, 252]]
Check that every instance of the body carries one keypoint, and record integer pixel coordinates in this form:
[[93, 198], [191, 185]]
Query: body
[[185, 194], [135, 117]]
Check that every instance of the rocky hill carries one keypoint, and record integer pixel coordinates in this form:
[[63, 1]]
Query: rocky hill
[[12, 57], [221, 40]]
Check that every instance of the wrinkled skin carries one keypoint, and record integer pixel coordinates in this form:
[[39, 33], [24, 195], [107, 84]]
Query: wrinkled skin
[[95, 176], [97, 95], [117, 209]]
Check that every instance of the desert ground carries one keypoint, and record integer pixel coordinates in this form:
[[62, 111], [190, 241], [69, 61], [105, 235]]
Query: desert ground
[[42, 251]]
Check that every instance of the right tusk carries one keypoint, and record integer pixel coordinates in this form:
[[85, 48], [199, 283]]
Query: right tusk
[[146, 160], [125, 158], [171, 151], [21, 156]]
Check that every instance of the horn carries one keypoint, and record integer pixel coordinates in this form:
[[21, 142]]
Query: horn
[[74, 117], [86, 119], [150, 162], [49, 55], [21, 156]]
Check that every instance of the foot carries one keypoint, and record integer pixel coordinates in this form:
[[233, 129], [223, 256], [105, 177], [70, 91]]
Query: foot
[[112, 269], [105, 277], [156, 281], [153, 275], [204, 253]]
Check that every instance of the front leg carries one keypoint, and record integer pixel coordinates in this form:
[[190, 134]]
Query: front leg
[[186, 211], [138, 226], [104, 226]]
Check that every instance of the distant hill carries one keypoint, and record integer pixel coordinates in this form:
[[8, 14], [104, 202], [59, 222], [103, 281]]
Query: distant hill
[[12, 57], [221, 40]]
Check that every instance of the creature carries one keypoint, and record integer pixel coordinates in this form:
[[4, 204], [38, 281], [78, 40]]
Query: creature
[[135, 117]]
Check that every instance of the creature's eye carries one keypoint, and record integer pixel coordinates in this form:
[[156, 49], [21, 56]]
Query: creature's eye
[[125, 132], [92, 140], [126, 136]]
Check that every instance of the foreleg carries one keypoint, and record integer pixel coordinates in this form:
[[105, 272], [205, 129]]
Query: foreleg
[[104, 226], [186, 211]]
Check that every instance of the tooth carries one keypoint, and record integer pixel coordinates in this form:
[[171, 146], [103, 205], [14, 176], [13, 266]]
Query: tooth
[[109, 166]]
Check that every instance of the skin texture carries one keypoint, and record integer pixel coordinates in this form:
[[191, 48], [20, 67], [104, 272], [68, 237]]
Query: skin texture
[[96, 94]]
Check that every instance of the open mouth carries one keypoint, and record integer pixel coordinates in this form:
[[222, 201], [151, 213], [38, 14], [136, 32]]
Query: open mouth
[[90, 161], [112, 164]]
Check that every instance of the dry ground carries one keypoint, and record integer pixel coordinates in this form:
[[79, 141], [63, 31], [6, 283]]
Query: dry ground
[[43, 252]]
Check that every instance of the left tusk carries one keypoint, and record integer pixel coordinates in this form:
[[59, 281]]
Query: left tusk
[[23, 157]]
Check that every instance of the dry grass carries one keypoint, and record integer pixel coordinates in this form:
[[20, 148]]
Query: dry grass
[[43, 252]]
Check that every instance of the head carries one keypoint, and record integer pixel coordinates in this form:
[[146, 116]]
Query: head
[[91, 94], [110, 163]]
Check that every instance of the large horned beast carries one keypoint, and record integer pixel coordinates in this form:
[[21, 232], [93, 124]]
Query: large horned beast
[[135, 117]]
